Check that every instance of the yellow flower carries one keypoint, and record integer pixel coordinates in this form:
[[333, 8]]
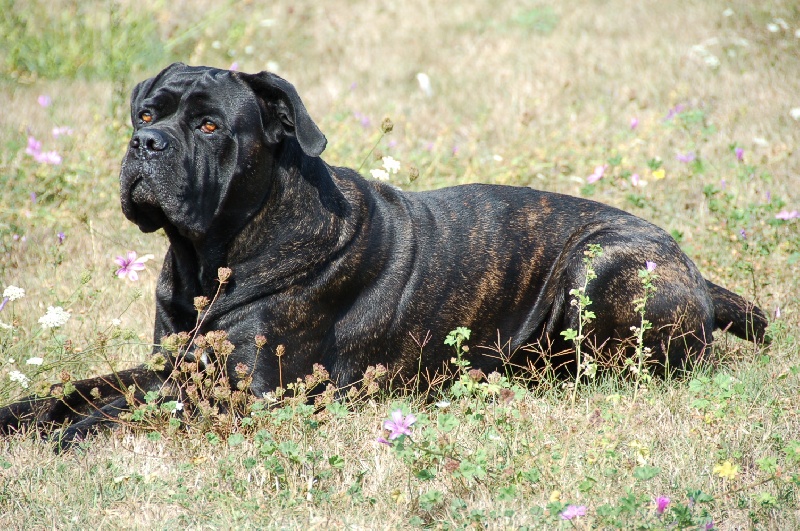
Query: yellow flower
[[726, 469], [555, 495], [659, 174]]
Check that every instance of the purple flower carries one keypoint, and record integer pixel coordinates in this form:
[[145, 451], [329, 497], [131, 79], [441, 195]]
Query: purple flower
[[455, 150], [675, 111], [234, 66], [688, 157], [635, 179], [739, 154], [634, 123], [769, 196], [651, 266], [61, 237], [398, 424], [34, 149], [383, 440], [661, 504], [787, 215], [33, 197], [59, 131], [44, 100], [743, 234], [48, 157], [130, 265], [573, 511], [599, 171], [34, 146], [709, 526], [3, 303], [362, 118]]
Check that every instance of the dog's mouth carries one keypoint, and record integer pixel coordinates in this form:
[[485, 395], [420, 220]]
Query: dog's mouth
[[140, 205], [142, 194]]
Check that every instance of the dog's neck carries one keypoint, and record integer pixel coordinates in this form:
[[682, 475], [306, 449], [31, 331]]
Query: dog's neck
[[292, 226]]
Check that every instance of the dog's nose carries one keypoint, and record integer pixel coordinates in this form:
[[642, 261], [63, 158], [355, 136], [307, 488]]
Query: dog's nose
[[149, 140]]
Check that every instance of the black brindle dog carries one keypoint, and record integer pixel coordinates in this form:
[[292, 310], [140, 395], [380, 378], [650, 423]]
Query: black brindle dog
[[347, 272]]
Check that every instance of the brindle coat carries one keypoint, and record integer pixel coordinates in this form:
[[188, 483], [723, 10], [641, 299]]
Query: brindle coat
[[343, 271]]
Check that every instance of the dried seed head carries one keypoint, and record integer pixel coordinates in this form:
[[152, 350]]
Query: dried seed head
[[280, 350], [200, 303], [224, 273], [413, 173], [170, 342], [241, 369], [387, 125], [476, 375], [200, 341], [260, 341]]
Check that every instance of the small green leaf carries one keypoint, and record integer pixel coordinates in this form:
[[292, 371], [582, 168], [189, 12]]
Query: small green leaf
[[646, 472], [235, 439]]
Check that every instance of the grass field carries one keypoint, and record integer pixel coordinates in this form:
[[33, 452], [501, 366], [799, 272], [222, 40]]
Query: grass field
[[684, 113]]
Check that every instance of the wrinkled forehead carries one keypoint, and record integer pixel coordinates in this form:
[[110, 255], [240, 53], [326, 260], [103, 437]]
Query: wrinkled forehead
[[196, 88]]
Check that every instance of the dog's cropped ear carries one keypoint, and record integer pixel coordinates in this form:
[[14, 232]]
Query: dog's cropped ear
[[291, 111]]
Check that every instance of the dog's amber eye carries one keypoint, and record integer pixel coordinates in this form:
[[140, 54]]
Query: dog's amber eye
[[208, 127], [146, 117]]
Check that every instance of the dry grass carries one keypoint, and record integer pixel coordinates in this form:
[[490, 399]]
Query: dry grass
[[522, 93]]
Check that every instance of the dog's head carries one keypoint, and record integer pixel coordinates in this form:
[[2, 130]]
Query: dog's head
[[204, 142]]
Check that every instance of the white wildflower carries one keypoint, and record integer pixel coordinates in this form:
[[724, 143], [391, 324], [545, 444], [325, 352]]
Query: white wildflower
[[178, 405], [424, 83], [773, 28], [35, 361], [54, 317], [391, 165], [13, 293], [116, 322], [795, 113], [20, 378], [381, 175]]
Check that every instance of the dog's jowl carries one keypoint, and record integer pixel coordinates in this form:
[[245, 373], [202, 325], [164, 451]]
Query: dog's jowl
[[345, 272]]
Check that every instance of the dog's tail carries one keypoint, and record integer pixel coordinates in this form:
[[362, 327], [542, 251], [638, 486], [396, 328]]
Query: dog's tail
[[738, 316]]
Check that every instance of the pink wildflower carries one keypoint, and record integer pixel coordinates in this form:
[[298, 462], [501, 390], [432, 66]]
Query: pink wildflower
[[786, 215], [130, 265], [599, 171], [573, 511], [398, 424], [661, 504]]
